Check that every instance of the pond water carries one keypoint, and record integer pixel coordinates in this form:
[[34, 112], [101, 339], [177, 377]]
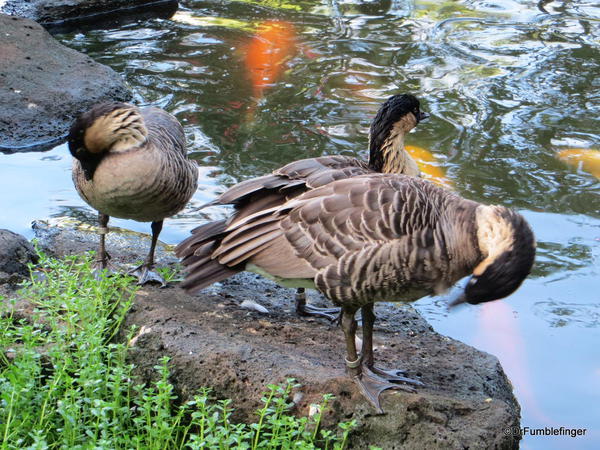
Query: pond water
[[508, 84]]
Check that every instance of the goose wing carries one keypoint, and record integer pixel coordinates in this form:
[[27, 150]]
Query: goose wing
[[370, 237], [164, 130], [292, 179], [253, 230], [362, 239]]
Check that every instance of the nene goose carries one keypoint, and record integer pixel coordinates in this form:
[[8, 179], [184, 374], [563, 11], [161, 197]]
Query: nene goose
[[396, 117], [131, 163], [375, 237]]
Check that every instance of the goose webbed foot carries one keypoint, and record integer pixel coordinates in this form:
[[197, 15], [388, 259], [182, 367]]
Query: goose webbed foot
[[370, 380], [331, 314], [394, 375], [145, 273], [302, 309], [373, 381]]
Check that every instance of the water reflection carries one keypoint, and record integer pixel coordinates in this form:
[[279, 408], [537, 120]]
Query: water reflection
[[560, 259], [93, 20], [508, 83]]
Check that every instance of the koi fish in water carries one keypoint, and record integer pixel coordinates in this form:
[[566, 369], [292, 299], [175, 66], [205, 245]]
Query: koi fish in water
[[267, 53], [587, 159], [428, 165]]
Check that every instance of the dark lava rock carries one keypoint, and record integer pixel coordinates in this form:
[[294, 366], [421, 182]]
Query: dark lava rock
[[64, 236], [61, 13], [467, 401], [15, 253], [44, 85]]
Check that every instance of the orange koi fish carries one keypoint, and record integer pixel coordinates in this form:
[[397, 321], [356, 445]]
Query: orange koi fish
[[587, 159], [266, 54], [429, 166]]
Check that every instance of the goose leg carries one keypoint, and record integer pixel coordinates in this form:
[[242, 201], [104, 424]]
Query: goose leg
[[349, 327], [145, 272], [370, 383], [368, 317], [370, 386], [102, 261], [302, 309]]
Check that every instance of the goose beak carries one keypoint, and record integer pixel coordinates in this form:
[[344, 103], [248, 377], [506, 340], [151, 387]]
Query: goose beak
[[422, 116], [461, 298], [458, 298]]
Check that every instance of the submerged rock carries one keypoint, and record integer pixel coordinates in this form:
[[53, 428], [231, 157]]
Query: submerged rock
[[44, 85], [15, 253], [467, 401]]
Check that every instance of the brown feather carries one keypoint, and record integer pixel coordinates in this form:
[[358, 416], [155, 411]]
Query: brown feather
[[276, 261], [210, 272], [227, 254]]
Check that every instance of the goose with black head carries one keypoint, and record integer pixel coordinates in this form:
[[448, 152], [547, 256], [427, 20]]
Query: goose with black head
[[396, 117], [369, 238]]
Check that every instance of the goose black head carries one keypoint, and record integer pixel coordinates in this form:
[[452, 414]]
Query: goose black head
[[400, 113], [510, 247], [101, 129]]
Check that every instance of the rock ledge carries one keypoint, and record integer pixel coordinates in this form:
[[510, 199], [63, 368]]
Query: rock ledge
[[44, 85], [467, 401], [53, 13]]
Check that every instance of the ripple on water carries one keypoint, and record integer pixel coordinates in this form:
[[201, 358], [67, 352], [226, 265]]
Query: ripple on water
[[134, 33], [561, 314], [508, 83]]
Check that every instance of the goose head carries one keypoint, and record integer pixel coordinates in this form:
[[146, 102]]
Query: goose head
[[507, 246], [105, 128], [395, 118]]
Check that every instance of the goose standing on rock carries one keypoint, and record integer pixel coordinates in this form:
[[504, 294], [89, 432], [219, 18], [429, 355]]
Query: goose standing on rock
[[370, 238], [397, 116], [131, 163]]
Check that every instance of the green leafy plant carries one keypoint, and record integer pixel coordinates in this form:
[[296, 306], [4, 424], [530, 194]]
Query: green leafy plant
[[170, 273], [65, 381]]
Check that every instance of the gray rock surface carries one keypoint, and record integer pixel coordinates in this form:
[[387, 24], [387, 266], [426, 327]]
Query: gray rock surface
[[52, 12], [15, 253], [44, 85], [467, 401]]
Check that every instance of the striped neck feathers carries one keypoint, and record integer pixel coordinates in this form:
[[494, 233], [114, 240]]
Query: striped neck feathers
[[495, 235], [389, 155], [507, 247], [117, 131]]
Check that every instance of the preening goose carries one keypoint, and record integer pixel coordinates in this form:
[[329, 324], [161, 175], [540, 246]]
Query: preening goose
[[375, 237], [131, 163], [395, 118]]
